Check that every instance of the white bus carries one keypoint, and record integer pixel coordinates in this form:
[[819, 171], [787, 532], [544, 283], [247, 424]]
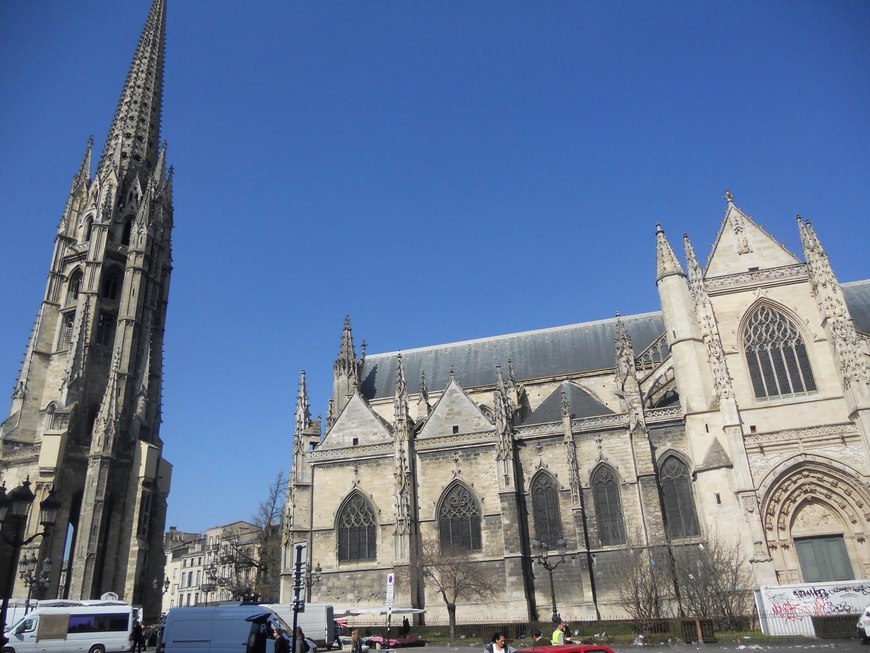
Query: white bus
[[89, 627]]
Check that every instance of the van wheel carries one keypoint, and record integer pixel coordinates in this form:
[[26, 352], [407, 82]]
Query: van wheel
[[97, 648]]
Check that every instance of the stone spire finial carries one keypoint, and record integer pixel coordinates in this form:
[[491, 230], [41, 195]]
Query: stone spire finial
[[666, 262], [728, 196], [84, 172], [135, 132], [303, 414], [346, 363]]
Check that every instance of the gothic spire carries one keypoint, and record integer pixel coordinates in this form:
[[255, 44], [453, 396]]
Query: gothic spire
[[400, 399], [303, 415], [666, 262], [134, 136], [346, 362]]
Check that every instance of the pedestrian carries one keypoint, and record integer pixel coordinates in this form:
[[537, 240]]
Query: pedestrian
[[559, 633], [137, 637], [406, 626], [566, 628], [355, 642], [301, 644], [498, 645], [538, 639], [282, 644]]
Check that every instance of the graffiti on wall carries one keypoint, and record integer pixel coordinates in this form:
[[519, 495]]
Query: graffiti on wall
[[789, 609]]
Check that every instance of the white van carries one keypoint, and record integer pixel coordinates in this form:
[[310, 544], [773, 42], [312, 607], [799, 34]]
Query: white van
[[317, 621], [244, 628], [102, 628]]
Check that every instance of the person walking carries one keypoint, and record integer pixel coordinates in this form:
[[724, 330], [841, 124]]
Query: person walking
[[499, 645], [137, 636], [538, 639], [282, 644], [559, 633], [356, 642]]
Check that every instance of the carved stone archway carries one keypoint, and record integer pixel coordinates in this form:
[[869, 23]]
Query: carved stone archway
[[809, 499]]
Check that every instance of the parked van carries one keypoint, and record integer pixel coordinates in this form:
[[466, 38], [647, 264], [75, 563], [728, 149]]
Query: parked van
[[317, 621], [244, 628], [95, 627]]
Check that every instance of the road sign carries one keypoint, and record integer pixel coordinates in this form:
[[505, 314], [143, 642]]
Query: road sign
[[391, 589]]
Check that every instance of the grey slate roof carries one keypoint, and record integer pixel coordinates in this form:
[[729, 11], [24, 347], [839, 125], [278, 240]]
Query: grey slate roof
[[857, 295], [580, 404], [570, 349], [547, 352]]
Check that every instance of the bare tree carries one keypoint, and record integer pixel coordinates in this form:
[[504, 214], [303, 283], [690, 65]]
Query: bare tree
[[715, 579], [251, 557], [455, 576], [643, 583]]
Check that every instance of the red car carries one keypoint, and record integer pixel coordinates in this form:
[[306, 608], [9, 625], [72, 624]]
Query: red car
[[568, 648]]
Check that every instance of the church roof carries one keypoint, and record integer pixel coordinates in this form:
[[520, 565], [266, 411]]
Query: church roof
[[571, 349], [534, 354], [857, 296], [580, 404]]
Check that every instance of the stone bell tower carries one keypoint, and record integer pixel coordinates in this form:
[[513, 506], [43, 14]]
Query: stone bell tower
[[85, 416]]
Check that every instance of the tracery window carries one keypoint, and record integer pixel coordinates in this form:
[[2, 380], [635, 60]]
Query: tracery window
[[111, 283], [776, 355], [459, 520], [545, 509], [357, 537], [608, 507], [678, 498], [73, 287]]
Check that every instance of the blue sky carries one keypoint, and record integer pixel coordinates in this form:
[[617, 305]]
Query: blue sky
[[437, 170]]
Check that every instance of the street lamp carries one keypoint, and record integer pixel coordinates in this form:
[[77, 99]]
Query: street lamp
[[542, 557], [14, 508], [156, 585], [32, 580], [211, 577], [312, 579]]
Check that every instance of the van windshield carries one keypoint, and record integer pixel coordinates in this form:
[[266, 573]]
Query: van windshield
[[275, 620]]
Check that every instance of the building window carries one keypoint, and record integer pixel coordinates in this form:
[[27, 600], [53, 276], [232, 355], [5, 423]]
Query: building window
[[679, 502], [66, 335], [459, 520], [144, 515], [545, 509], [111, 283], [357, 537], [776, 356], [608, 507], [105, 328], [73, 287], [823, 559]]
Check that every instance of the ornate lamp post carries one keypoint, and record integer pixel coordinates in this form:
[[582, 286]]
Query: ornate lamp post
[[542, 557], [312, 578], [210, 584], [14, 508], [32, 580]]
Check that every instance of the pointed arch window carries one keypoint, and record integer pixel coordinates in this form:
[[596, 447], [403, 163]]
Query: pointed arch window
[[459, 520], [66, 334], [545, 509], [608, 507], [111, 284], [357, 532], [679, 502], [73, 287], [776, 356]]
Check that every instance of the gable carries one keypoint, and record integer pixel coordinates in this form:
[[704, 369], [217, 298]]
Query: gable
[[455, 409], [358, 421], [580, 404], [742, 245]]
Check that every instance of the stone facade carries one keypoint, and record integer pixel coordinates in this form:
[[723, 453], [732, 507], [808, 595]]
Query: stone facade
[[85, 414], [739, 412]]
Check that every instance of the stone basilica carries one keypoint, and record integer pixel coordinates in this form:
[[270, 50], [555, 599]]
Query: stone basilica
[[740, 412]]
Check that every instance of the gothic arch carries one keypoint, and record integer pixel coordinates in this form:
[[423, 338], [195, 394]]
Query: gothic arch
[[813, 497], [459, 515], [546, 516], [779, 363], [607, 500], [676, 479], [74, 285], [356, 529]]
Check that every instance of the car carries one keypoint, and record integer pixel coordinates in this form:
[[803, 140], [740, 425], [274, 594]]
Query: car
[[568, 648], [864, 626]]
